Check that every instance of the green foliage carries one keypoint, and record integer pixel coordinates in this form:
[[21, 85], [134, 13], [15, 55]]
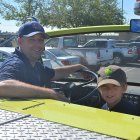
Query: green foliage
[[19, 10], [64, 13]]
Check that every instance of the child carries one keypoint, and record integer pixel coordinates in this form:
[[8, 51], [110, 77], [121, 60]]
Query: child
[[112, 84]]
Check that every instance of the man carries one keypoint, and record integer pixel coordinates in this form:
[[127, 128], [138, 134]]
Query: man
[[22, 74], [112, 84]]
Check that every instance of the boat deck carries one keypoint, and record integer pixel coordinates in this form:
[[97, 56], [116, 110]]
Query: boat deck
[[17, 126]]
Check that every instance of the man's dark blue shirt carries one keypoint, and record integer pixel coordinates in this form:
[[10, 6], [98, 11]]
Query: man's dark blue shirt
[[18, 67]]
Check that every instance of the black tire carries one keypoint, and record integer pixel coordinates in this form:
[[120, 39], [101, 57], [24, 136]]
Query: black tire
[[118, 59]]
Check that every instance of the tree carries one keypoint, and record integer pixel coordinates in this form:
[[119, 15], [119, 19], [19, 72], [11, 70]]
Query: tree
[[19, 10], [75, 13], [64, 13]]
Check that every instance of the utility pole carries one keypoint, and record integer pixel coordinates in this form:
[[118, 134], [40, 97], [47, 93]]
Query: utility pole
[[122, 11]]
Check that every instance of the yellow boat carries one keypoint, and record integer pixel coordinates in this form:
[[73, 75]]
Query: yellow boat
[[51, 119]]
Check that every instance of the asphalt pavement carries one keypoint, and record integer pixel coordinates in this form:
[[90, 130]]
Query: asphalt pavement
[[133, 75]]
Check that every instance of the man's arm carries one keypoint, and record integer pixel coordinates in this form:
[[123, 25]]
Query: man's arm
[[66, 70], [14, 88]]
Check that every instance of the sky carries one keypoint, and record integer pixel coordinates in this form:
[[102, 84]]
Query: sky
[[128, 5]]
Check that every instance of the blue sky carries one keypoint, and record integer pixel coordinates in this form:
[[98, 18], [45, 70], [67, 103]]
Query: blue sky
[[128, 6]]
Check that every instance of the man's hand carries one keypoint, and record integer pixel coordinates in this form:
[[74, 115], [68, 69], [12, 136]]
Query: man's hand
[[84, 67], [86, 75], [61, 97]]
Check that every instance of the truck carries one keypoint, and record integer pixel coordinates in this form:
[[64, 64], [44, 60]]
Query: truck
[[124, 52], [93, 54]]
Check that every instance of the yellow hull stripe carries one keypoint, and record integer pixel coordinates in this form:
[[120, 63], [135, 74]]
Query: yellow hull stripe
[[88, 118], [89, 29]]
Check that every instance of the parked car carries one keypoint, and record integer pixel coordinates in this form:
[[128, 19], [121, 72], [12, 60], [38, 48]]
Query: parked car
[[62, 42], [137, 45], [98, 52], [60, 55], [124, 52], [5, 52], [93, 53]]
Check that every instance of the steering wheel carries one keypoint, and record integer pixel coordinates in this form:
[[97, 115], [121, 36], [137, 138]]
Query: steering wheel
[[75, 93], [94, 77]]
